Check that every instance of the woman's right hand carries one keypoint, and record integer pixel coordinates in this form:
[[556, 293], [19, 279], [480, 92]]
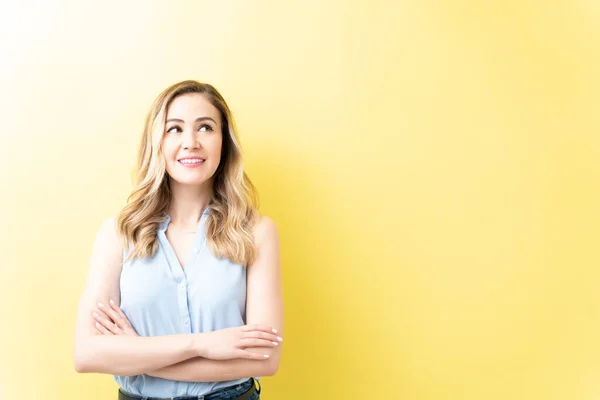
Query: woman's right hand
[[230, 343]]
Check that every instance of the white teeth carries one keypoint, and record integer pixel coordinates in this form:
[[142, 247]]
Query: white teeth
[[191, 160]]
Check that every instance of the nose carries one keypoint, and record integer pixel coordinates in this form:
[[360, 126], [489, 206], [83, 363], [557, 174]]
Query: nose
[[190, 141]]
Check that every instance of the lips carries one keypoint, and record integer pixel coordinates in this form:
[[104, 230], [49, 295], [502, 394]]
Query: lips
[[191, 160]]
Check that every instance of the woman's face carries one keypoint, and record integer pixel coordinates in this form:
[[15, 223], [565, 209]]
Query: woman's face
[[193, 138]]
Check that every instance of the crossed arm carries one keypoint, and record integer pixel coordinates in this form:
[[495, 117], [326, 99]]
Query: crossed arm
[[178, 357]]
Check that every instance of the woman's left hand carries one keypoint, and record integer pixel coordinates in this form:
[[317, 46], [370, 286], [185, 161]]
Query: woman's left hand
[[111, 320]]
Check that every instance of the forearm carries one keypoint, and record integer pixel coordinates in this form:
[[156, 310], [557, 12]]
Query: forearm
[[199, 369], [129, 355]]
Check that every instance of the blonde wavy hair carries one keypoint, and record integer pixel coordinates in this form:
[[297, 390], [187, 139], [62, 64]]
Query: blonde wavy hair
[[233, 207]]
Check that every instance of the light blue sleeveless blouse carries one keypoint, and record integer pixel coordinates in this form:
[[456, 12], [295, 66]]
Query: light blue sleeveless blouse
[[159, 297]]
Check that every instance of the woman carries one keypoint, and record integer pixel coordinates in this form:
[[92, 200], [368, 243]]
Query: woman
[[183, 293]]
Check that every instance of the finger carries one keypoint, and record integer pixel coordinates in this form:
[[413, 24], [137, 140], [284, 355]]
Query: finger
[[258, 327], [118, 310], [107, 323], [104, 311], [262, 335], [116, 318], [122, 320], [101, 313], [250, 356], [245, 343], [102, 318], [102, 329]]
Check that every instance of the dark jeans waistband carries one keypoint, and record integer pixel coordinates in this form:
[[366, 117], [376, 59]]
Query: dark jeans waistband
[[239, 391]]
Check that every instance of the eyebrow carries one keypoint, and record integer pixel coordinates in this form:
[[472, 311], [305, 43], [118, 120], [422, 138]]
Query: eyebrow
[[197, 120]]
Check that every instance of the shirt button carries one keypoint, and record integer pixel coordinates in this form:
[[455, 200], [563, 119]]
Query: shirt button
[[187, 322]]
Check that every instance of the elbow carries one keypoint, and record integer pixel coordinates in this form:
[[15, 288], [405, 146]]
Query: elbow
[[81, 363], [82, 356], [81, 368], [84, 360], [272, 364], [271, 367], [271, 371]]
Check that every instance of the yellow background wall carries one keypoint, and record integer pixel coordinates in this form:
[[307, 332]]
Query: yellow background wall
[[432, 167]]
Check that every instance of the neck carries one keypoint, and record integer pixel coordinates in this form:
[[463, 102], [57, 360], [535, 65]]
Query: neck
[[188, 202]]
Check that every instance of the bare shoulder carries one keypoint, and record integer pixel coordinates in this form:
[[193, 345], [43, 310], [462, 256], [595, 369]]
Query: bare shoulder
[[107, 250], [108, 228], [108, 237], [107, 253], [265, 230]]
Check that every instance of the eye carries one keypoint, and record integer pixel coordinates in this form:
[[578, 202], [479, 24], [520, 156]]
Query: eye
[[174, 129], [205, 128]]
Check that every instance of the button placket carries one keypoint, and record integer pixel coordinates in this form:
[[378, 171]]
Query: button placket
[[183, 307]]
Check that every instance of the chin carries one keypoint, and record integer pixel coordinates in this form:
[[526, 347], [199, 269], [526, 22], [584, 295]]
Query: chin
[[191, 181]]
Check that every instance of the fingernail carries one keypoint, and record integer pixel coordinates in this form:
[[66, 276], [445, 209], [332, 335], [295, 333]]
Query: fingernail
[[266, 356], [97, 324], [111, 302], [280, 339], [96, 314], [275, 343], [274, 330], [100, 305]]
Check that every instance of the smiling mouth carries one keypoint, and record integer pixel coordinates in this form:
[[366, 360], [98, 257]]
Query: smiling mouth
[[191, 161]]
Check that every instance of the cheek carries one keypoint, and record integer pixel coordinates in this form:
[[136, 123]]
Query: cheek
[[167, 151], [167, 155], [216, 147]]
